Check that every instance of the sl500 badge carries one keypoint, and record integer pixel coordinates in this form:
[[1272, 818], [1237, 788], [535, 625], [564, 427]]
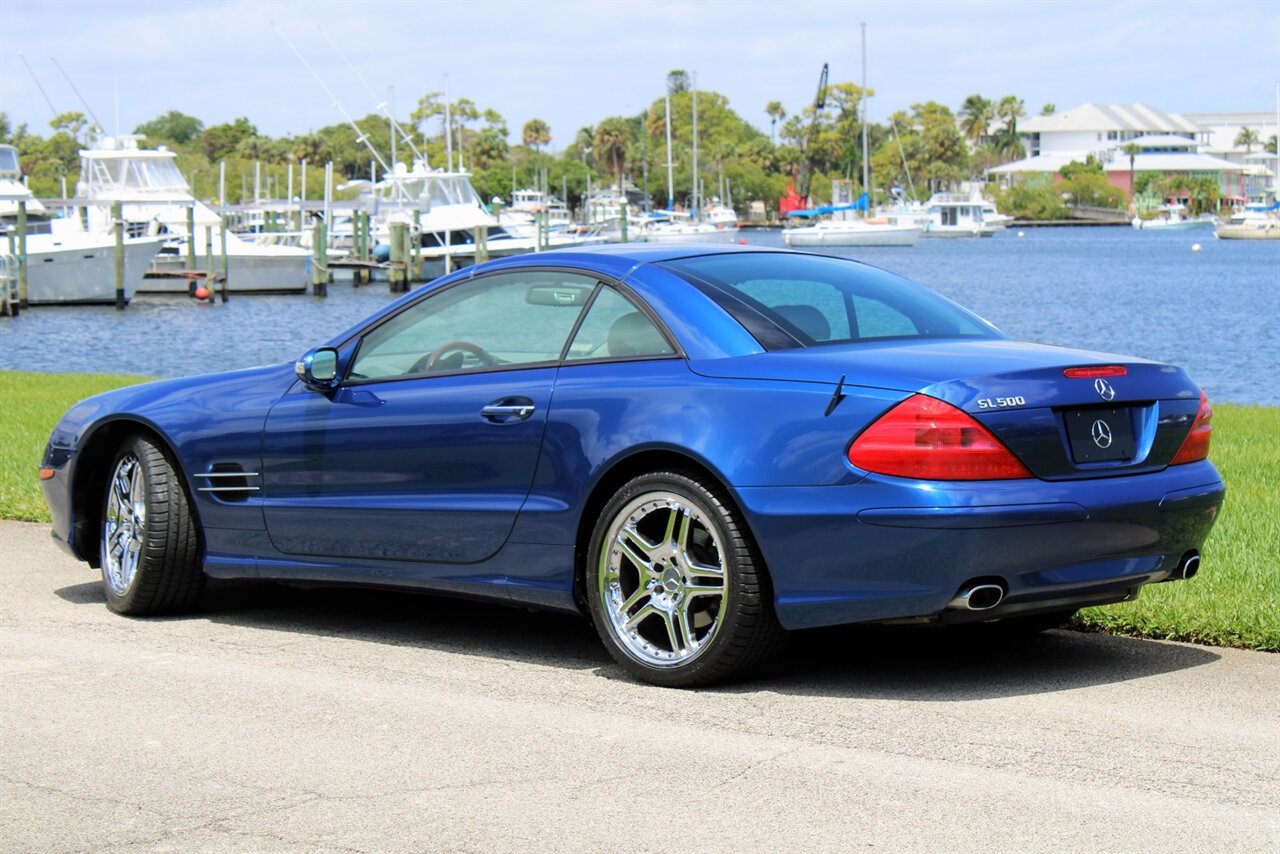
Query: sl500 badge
[[999, 402]]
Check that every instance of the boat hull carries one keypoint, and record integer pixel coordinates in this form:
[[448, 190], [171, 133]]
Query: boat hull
[[889, 236], [1248, 232], [246, 274], [84, 273]]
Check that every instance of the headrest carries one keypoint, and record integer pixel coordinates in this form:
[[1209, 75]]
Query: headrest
[[807, 319], [634, 335]]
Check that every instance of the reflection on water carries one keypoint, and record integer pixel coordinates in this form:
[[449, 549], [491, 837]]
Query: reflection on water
[[1215, 312]]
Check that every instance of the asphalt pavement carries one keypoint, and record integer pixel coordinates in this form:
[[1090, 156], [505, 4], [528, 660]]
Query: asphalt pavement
[[354, 720]]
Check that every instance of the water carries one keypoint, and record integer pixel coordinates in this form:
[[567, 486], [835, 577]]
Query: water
[[1215, 312]]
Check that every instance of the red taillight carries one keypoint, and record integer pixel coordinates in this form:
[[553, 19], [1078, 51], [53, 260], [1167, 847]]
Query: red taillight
[[1196, 445], [926, 438], [1092, 371]]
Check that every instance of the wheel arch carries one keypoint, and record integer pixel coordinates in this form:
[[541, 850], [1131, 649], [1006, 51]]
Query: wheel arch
[[624, 469], [93, 461]]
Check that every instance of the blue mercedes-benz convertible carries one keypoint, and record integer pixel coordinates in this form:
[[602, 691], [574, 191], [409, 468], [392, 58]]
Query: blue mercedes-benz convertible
[[697, 447]]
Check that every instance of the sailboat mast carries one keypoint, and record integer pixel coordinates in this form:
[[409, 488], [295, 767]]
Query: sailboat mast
[[671, 199], [448, 125], [866, 164], [694, 199]]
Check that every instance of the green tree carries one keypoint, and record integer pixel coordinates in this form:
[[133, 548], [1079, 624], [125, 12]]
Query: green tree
[[776, 113], [611, 143], [71, 123], [677, 81], [1048, 109], [1009, 109], [1248, 137], [172, 126], [1271, 144], [976, 114], [220, 140], [535, 134]]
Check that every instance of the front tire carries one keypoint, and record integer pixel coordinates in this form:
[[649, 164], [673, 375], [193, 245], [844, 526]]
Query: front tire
[[676, 587], [150, 545]]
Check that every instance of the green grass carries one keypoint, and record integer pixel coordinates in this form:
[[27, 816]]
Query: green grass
[[30, 404], [1234, 601], [1235, 598]]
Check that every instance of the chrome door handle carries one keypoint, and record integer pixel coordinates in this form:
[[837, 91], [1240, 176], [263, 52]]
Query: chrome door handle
[[504, 412]]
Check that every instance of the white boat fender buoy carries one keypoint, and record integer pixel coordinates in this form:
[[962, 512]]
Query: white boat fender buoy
[[1195, 247], [1021, 234]]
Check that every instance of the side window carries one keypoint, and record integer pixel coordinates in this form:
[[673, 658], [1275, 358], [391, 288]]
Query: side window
[[615, 328], [506, 319]]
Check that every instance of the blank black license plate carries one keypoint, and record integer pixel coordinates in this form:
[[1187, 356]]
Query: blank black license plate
[[1099, 435]]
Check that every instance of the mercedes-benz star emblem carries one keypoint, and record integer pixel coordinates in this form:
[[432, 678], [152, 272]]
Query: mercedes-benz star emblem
[[1101, 433], [1104, 389]]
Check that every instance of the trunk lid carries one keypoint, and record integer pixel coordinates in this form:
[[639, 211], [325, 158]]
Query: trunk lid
[[1059, 427]]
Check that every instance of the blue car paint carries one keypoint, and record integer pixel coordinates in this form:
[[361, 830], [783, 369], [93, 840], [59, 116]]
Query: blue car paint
[[841, 545]]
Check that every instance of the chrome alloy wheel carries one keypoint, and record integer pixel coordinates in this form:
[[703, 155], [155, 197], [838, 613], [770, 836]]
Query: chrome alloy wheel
[[124, 525], [662, 579]]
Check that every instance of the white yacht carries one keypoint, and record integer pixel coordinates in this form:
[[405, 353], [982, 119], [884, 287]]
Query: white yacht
[[66, 262], [954, 215], [1172, 217], [723, 217], [155, 199], [520, 219], [1255, 222], [681, 227]]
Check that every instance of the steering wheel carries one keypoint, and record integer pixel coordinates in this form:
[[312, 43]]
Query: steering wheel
[[428, 362]]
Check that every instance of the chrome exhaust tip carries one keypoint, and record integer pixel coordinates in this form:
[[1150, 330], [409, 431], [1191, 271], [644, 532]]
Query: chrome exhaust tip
[[1188, 566], [979, 597]]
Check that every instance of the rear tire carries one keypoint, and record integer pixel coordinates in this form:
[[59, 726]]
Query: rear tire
[[675, 586], [150, 541]]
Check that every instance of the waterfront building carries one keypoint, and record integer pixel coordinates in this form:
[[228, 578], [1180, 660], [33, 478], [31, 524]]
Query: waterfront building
[[1193, 144]]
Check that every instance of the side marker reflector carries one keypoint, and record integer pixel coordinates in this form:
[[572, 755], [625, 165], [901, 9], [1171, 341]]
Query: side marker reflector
[[46, 474]]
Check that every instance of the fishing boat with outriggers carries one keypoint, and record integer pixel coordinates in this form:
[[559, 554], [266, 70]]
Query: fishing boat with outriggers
[[155, 200], [68, 261]]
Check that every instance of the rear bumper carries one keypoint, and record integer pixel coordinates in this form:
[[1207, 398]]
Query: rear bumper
[[891, 549]]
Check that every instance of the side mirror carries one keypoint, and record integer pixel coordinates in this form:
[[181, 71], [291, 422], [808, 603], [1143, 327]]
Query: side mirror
[[318, 369]]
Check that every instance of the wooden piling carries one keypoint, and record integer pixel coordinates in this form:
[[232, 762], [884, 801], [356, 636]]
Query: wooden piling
[[117, 224], [319, 260], [222, 240], [482, 243], [398, 275], [10, 299], [191, 238], [415, 253], [22, 254]]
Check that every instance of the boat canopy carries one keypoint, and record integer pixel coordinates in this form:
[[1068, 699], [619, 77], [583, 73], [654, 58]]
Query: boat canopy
[[132, 173], [860, 204]]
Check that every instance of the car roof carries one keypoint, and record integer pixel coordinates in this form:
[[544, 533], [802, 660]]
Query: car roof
[[618, 258]]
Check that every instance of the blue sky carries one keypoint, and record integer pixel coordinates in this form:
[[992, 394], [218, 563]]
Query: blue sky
[[572, 63]]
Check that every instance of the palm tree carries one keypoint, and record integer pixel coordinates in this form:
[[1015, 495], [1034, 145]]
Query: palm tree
[[976, 113], [776, 113], [1132, 149], [1049, 109], [1010, 109], [1248, 137], [535, 133], [611, 143]]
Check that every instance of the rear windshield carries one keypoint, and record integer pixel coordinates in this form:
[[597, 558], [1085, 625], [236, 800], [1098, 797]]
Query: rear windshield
[[794, 300]]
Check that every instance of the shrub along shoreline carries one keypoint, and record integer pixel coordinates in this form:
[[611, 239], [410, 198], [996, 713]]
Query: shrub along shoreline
[[1233, 601]]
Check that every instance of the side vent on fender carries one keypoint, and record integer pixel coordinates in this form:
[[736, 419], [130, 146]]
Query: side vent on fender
[[228, 482]]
